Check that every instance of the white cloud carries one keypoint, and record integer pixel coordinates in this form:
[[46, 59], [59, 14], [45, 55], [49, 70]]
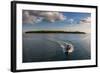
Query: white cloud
[[37, 16], [83, 26], [71, 21], [86, 20], [27, 18], [52, 16]]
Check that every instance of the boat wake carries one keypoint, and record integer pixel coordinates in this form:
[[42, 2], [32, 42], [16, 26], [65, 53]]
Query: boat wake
[[64, 45]]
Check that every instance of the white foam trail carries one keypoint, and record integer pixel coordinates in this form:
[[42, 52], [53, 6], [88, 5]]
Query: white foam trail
[[63, 44]]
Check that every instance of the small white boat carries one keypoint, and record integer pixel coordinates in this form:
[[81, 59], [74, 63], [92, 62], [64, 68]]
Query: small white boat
[[67, 47]]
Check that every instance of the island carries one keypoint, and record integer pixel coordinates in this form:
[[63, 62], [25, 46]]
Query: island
[[53, 31]]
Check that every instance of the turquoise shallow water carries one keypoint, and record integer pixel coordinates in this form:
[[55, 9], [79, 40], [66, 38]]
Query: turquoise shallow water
[[39, 48]]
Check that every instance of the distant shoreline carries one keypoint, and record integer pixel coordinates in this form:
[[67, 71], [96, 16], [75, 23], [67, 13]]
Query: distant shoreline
[[72, 32]]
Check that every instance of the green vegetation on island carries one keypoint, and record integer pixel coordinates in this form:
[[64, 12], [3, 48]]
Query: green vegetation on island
[[53, 31]]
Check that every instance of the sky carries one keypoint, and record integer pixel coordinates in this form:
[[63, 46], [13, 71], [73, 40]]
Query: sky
[[50, 20]]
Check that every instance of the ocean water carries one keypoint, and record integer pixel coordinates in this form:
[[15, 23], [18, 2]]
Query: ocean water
[[39, 47]]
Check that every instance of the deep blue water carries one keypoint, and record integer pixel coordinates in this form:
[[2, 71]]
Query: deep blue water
[[39, 48]]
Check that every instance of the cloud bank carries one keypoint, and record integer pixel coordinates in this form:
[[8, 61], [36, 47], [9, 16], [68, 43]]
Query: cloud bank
[[32, 17], [71, 24]]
